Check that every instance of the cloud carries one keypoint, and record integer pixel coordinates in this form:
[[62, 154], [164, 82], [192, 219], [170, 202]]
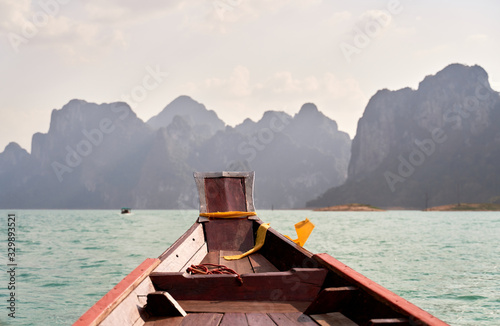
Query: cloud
[[238, 83], [126, 11], [282, 83], [478, 38], [340, 17], [220, 15]]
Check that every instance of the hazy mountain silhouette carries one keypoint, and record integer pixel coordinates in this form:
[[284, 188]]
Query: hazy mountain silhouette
[[103, 156], [439, 144]]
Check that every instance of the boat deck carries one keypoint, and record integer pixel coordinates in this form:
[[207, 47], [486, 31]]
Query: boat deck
[[272, 311], [254, 319], [255, 263]]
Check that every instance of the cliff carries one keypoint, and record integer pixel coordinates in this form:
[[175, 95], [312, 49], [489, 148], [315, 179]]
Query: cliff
[[104, 156], [432, 146]]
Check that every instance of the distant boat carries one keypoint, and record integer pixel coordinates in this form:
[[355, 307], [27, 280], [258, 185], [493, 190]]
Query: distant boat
[[204, 279], [126, 210]]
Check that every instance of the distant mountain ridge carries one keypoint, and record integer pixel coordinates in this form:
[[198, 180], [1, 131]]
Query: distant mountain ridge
[[104, 156], [436, 145]]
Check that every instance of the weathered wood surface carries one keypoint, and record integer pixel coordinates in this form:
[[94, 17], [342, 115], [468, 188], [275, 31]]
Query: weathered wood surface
[[259, 319], [161, 303], [229, 234], [240, 266], [162, 321], [331, 300], [225, 194], [301, 284], [292, 319], [234, 319], [333, 319], [283, 253], [225, 191], [98, 312], [261, 264], [257, 262], [378, 292], [189, 249], [389, 322], [220, 306]]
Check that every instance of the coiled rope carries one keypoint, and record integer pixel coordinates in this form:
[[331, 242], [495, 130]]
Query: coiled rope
[[214, 269]]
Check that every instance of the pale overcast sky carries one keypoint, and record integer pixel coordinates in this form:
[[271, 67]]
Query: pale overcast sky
[[238, 57]]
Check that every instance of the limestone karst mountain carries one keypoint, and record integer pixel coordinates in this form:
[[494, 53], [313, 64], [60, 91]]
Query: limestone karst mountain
[[104, 156], [435, 145]]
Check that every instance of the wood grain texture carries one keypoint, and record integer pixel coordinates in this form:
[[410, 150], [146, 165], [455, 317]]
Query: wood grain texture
[[234, 319], [240, 266], [301, 284], [331, 300], [212, 257], [119, 293], [292, 319], [229, 234], [283, 253], [333, 318], [225, 194], [192, 306], [205, 319], [378, 292], [259, 319], [261, 264], [182, 251], [389, 322]]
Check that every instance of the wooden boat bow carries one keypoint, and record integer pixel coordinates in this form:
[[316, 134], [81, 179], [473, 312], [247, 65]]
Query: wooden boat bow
[[280, 284]]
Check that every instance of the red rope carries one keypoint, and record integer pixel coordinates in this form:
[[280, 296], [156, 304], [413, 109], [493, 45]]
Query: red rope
[[216, 269]]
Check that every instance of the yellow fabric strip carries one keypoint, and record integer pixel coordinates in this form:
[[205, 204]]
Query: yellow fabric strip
[[230, 214], [303, 229], [259, 242]]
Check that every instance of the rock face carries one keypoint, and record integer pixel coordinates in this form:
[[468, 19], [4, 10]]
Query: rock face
[[436, 145], [103, 156], [205, 122]]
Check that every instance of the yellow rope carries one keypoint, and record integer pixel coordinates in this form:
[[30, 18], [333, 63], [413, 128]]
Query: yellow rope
[[230, 214], [259, 242]]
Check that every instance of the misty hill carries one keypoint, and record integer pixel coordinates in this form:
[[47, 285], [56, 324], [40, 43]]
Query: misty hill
[[436, 145], [104, 156], [204, 122]]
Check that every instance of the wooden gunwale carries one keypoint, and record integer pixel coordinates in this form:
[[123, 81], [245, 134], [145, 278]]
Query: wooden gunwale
[[102, 308], [397, 303]]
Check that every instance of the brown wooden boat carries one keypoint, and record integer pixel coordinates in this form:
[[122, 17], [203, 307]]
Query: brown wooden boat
[[280, 284]]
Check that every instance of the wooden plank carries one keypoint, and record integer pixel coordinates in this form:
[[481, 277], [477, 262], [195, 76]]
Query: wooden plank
[[292, 319], [161, 303], [120, 292], [205, 319], [240, 266], [212, 257], [196, 259], [334, 319], [192, 306], [283, 253], [331, 300], [301, 284], [225, 194], [389, 322], [183, 250], [164, 321], [259, 319], [377, 291], [234, 319], [130, 311], [229, 234], [261, 264]]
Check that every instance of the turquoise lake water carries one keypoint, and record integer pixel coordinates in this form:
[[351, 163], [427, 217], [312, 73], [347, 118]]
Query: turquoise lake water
[[447, 263]]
